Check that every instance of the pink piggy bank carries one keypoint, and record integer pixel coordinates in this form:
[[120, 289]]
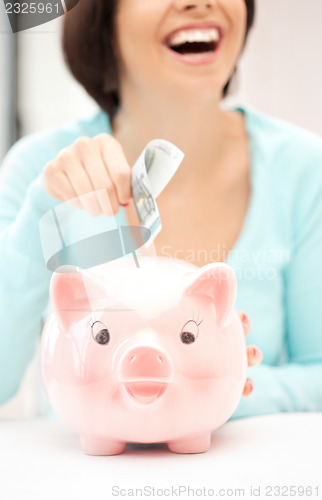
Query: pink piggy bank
[[144, 355]]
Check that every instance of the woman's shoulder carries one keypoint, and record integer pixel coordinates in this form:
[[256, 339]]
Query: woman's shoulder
[[41, 147], [288, 161], [65, 134], [288, 151]]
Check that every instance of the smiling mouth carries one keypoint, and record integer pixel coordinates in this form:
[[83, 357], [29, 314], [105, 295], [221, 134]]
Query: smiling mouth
[[194, 43], [195, 48]]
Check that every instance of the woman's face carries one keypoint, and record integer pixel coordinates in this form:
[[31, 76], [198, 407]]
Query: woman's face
[[177, 45]]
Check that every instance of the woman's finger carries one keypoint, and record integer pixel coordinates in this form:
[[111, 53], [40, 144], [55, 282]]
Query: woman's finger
[[248, 388], [81, 184], [117, 167], [57, 183], [89, 155], [254, 355], [246, 322]]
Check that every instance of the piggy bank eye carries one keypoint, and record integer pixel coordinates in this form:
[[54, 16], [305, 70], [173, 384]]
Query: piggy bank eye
[[100, 333], [187, 337], [189, 332]]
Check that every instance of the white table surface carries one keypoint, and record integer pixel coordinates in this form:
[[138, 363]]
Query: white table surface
[[41, 459]]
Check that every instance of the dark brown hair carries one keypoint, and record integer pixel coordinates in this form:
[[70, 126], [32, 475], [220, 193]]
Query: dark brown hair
[[88, 37]]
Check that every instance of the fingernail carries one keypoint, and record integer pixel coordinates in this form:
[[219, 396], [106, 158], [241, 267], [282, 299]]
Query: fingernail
[[244, 317], [250, 386], [255, 352], [124, 204]]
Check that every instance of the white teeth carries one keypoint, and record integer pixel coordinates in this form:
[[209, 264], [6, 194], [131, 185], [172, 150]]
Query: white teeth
[[194, 35]]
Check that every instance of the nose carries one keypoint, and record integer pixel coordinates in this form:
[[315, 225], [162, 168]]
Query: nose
[[145, 362], [194, 4]]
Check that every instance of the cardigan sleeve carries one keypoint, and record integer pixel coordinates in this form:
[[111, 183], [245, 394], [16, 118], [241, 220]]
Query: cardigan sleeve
[[297, 384], [24, 278]]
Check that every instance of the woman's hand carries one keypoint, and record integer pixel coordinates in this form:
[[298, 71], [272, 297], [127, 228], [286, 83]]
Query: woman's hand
[[254, 354], [91, 165]]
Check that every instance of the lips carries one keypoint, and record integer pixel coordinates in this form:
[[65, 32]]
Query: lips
[[195, 44], [145, 391]]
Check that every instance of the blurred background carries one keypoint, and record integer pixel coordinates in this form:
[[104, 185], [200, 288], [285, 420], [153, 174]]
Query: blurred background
[[279, 73]]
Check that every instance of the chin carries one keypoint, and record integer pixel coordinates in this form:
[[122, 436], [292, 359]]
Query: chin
[[199, 90]]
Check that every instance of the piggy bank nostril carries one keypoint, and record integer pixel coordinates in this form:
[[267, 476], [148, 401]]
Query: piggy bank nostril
[[159, 358]]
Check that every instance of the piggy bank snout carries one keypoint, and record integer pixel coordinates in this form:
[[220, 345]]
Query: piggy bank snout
[[145, 373], [145, 362]]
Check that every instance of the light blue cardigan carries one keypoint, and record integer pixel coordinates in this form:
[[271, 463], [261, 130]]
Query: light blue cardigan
[[277, 259]]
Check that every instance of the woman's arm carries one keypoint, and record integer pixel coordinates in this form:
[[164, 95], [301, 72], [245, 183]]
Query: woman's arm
[[24, 278], [297, 385], [24, 198], [289, 388]]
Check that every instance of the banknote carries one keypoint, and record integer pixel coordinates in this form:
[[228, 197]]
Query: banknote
[[154, 168], [73, 238]]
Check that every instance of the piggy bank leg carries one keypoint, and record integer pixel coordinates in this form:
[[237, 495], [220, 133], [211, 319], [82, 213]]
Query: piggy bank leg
[[199, 444], [95, 446]]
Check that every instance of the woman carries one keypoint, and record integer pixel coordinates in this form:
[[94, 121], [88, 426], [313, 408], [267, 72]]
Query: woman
[[248, 191]]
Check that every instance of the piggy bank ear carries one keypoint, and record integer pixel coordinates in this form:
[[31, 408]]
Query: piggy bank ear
[[218, 282], [69, 298]]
